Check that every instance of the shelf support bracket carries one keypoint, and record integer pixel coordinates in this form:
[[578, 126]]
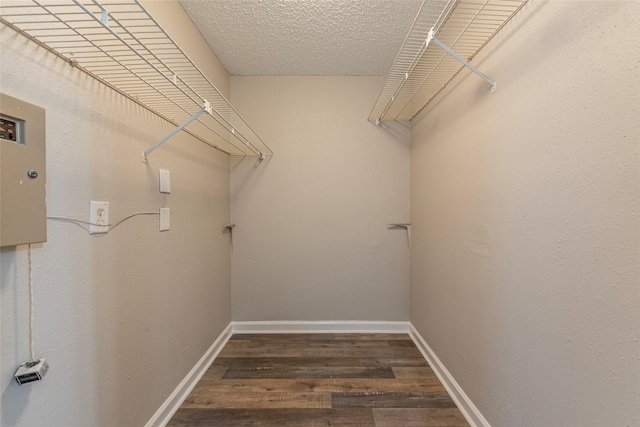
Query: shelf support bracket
[[406, 227], [206, 108], [432, 38], [105, 18], [230, 227]]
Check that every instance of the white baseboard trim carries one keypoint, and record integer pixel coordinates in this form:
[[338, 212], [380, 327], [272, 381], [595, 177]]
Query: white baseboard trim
[[466, 406], [345, 327], [171, 405]]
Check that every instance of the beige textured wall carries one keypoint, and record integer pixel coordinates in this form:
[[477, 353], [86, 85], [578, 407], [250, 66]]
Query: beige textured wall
[[311, 238], [524, 205], [120, 317]]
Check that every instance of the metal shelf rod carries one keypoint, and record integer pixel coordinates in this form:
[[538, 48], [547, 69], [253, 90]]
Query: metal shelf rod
[[108, 84], [105, 23], [421, 70], [120, 44]]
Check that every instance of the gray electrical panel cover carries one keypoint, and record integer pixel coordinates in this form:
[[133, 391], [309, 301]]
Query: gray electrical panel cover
[[23, 217]]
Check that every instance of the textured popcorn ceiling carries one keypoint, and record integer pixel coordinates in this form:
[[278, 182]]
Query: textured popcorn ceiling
[[304, 37]]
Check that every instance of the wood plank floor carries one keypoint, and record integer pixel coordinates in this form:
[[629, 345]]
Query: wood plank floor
[[312, 380]]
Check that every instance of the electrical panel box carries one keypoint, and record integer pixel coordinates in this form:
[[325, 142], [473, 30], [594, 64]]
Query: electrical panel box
[[23, 216]]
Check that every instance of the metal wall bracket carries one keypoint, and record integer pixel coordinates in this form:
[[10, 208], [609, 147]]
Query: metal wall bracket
[[206, 108], [432, 38], [230, 227], [406, 227]]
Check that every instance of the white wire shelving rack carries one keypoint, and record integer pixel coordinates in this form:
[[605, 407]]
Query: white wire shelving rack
[[119, 43], [445, 36]]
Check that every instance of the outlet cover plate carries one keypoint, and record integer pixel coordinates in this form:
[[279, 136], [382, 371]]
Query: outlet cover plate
[[165, 181], [165, 219], [98, 214]]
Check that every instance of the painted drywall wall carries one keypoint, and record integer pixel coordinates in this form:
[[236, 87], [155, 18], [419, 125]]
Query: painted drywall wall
[[526, 235], [120, 317], [311, 240]]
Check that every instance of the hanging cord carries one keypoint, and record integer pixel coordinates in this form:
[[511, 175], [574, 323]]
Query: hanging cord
[[113, 224], [32, 359]]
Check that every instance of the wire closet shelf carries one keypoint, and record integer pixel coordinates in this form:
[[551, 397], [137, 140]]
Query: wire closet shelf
[[119, 43], [445, 35]]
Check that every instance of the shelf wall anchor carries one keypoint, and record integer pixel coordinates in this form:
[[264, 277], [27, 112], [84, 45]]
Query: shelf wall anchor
[[432, 38], [206, 108]]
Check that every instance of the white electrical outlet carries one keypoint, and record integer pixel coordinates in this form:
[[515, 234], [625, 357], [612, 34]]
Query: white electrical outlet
[[165, 181], [165, 219], [99, 217]]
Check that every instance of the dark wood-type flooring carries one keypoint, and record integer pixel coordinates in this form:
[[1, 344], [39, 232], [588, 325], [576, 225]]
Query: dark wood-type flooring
[[378, 380]]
